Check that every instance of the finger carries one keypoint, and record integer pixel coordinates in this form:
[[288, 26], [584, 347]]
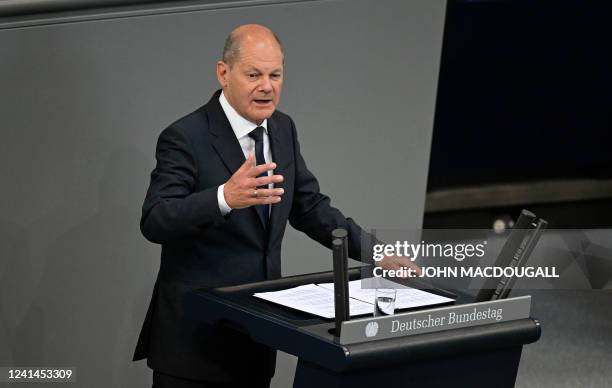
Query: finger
[[248, 163], [258, 170], [262, 193], [396, 266], [265, 180], [400, 262], [266, 200], [411, 265]]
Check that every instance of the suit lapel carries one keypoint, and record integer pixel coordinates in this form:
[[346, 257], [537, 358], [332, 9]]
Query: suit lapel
[[224, 140], [281, 155], [279, 144]]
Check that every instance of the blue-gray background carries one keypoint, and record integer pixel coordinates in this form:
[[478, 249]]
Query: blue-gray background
[[82, 103]]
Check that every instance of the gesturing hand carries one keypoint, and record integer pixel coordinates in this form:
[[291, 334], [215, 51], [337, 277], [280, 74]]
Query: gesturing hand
[[398, 262], [242, 189]]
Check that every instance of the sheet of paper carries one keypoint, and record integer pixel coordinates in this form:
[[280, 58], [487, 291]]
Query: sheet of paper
[[314, 300], [405, 297]]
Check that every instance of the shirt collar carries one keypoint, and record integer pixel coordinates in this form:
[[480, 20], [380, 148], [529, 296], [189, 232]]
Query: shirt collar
[[241, 126]]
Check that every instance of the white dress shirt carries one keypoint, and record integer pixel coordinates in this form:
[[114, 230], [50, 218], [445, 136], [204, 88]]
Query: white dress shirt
[[242, 127]]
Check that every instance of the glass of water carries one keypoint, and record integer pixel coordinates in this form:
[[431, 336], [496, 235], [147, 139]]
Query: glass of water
[[384, 302]]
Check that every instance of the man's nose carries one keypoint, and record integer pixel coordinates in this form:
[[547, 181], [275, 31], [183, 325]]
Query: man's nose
[[266, 84]]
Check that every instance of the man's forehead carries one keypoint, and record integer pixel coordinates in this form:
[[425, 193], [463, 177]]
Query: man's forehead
[[260, 58], [264, 49]]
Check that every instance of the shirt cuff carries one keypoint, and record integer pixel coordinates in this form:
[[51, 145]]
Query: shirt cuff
[[223, 206]]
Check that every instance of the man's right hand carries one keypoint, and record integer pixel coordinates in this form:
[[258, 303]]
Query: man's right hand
[[243, 188]]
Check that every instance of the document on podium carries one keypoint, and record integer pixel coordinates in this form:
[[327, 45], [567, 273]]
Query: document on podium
[[405, 298], [319, 299], [313, 299]]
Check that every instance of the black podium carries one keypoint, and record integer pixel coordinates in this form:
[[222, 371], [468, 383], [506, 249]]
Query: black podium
[[477, 356]]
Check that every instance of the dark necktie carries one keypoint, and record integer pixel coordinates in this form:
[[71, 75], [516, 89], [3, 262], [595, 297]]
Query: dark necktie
[[257, 135]]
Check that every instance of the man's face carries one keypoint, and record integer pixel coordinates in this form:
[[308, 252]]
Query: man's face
[[253, 84]]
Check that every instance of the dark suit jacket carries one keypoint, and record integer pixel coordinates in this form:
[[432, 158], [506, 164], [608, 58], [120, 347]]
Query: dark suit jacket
[[202, 249]]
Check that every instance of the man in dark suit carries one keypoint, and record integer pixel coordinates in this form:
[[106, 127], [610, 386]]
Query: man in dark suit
[[228, 178]]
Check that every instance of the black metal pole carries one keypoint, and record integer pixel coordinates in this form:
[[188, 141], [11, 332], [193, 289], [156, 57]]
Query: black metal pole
[[341, 294]]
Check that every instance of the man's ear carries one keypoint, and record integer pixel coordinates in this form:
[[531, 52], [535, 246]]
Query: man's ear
[[222, 72]]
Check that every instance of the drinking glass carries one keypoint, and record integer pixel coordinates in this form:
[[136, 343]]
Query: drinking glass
[[384, 302]]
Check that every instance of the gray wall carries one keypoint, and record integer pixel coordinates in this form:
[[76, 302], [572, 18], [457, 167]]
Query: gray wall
[[82, 104]]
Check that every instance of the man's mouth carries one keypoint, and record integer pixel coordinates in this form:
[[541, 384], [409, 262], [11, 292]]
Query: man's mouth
[[262, 101]]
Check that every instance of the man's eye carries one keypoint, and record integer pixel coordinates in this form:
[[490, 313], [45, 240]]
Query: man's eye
[[276, 76], [252, 76]]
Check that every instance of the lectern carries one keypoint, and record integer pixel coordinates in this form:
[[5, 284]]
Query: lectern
[[369, 353]]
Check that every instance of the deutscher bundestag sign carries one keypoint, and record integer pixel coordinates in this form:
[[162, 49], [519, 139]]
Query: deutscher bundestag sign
[[437, 319]]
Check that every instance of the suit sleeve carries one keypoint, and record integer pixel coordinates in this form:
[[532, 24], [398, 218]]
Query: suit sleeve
[[172, 208], [313, 214]]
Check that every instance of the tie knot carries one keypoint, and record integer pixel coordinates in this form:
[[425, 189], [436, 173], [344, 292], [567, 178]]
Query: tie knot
[[257, 134]]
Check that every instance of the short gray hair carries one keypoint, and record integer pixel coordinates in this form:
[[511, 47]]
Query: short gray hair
[[231, 49]]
